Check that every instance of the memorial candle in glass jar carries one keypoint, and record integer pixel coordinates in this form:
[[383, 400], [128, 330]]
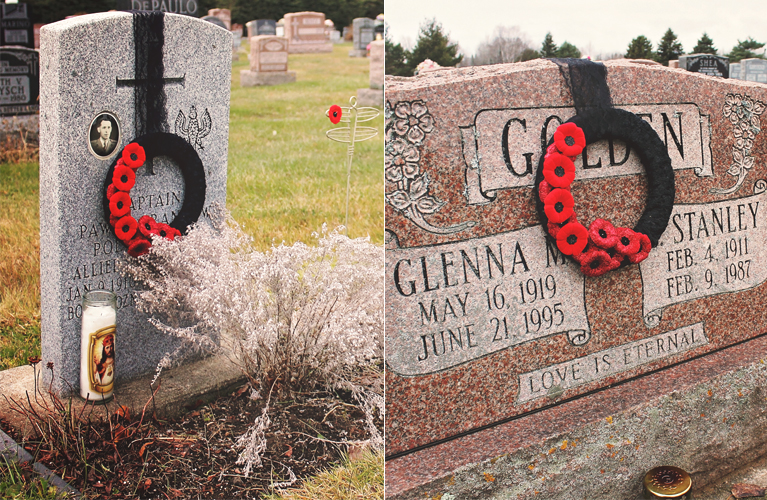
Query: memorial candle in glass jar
[[97, 345]]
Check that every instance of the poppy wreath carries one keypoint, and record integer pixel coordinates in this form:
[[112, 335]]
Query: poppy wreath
[[121, 177], [603, 247]]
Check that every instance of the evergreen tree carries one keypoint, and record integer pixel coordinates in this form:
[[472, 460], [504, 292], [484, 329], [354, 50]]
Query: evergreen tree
[[705, 46], [395, 62], [640, 48], [568, 50], [528, 55], [433, 44], [669, 48], [549, 48], [745, 50]]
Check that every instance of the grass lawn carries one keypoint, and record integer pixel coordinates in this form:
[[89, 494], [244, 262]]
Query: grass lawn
[[286, 179]]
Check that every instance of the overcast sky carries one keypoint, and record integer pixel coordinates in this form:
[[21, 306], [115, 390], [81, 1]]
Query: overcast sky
[[594, 26]]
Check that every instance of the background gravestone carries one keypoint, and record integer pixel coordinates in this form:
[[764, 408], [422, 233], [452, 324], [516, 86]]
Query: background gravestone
[[708, 64], [261, 27], [510, 374], [78, 249], [363, 33], [305, 32], [224, 14], [16, 26], [735, 71], [185, 7], [753, 70], [236, 41], [268, 62], [374, 95], [19, 95]]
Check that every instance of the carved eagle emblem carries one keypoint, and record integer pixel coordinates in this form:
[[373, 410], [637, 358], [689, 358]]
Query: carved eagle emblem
[[192, 129]]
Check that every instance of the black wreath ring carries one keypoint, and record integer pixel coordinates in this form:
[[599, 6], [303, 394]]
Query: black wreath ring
[[603, 253], [184, 155]]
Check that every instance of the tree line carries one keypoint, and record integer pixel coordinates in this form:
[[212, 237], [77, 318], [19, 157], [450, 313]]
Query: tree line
[[509, 44]]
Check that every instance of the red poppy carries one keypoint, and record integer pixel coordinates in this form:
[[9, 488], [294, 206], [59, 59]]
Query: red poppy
[[111, 189], [572, 238], [596, 262], [138, 246], [552, 149], [120, 162], [558, 170], [133, 155], [147, 226], [124, 178], [628, 241], [544, 188], [113, 220], [558, 205], [334, 113], [644, 249], [603, 234], [569, 139], [554, 228], [126, 227], [119, 204], [167, 232]]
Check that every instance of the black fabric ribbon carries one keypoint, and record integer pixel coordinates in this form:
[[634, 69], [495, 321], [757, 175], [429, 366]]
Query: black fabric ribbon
[[150, 100]]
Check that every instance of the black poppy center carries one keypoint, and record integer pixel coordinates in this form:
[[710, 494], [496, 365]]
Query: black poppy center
[[572, 239], [335, 114], [162, 233], [148, 227], [595, 263], [569, 140], [559, 171], [120, 205], [133, 156], [124, 178], [126, 228], [559, 206], [625, 241], [602, 233]]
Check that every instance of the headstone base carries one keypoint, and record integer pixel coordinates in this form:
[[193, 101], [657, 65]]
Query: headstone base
[[312, 48], [358, 53], [17, 131], [703, 416], [255, 78], [370, 97]]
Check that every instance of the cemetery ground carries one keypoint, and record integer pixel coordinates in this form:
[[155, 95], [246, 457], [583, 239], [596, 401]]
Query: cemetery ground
[[285, 179]]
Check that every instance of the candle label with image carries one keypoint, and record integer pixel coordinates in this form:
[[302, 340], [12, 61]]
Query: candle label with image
[[101, 351]]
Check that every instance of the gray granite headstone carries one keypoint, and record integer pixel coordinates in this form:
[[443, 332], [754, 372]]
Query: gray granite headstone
[[363, 33], [708, 64], [753, 70], [735, 71], [78, 248], [262, 27], [19, 81], [16, 25], [187, 7]]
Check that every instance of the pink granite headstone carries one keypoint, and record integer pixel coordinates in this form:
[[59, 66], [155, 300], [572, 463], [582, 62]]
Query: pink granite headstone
[[306, 32], [268, 62], [225, 15], [486, 321]]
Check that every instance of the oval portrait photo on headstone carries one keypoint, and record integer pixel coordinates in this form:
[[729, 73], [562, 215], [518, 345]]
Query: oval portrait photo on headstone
[[104, 135]]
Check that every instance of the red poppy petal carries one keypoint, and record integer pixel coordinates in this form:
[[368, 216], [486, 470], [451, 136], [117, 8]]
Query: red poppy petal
[[558, 205], [119, 204], [558, 170], [644, 249], [133, 155], [554, 227], [125, 228], [544, 188], [111, 190], [165, 231], [628, 241], [113, 220], [603, 234], [569, 139], [124, 178], [334, 113], [147, 225], [597, 262], [572, 238], [138, 246]]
